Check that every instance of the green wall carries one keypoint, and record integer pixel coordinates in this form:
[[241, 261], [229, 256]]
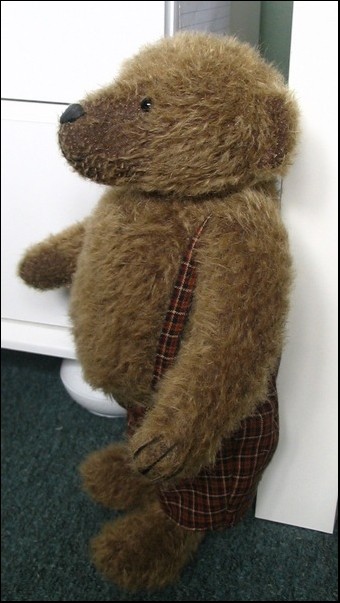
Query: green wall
[[275, 33]]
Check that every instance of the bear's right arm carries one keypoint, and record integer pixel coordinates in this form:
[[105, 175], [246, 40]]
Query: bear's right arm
[[51, 263]]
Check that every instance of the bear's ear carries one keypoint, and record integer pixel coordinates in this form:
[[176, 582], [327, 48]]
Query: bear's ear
[[281, 121]]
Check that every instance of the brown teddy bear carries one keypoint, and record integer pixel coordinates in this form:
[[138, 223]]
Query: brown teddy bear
[[180, 285]]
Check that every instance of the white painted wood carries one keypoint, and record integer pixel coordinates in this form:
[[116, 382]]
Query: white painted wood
[[40, 195], [300, 485], [59, 51], [52, 52], [37, 338]]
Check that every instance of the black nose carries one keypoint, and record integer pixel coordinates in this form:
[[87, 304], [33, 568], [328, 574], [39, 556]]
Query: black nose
[[72, 113]]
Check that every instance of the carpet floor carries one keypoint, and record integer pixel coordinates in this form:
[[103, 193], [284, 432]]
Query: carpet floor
[[47, 521]]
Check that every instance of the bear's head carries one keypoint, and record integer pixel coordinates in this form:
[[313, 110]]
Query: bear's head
[[192, 115]]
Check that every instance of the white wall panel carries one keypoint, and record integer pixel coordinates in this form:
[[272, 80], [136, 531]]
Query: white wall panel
[[300, 485]]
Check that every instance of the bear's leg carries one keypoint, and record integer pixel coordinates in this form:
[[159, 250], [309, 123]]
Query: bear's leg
[[144, 549], [109, 479]]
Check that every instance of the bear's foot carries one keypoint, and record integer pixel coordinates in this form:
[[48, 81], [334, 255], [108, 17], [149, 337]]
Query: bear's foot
[[110, 480], [144, 550]]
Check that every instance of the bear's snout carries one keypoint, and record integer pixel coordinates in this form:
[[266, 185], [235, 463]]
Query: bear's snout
[[72, 113]]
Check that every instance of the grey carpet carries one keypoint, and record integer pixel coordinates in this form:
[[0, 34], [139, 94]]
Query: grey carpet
[[47, 520]]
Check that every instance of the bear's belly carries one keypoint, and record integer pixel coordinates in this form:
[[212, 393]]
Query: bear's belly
[[119, 298]]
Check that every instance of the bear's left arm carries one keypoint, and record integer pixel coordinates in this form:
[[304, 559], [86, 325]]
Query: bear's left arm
[[51, 263], [232, 344]]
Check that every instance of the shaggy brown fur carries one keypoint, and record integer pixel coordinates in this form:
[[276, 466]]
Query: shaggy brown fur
[[196, 125], [126, 548], [110, 478]]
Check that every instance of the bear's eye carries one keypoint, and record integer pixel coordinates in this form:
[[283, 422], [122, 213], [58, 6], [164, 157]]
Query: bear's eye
[[146, 104]]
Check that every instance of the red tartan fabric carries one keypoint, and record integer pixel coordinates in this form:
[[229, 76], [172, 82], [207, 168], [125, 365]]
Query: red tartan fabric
[[220, 495], [178, 311]]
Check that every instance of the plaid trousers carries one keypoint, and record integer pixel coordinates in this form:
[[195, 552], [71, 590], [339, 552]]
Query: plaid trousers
[[221, 494]]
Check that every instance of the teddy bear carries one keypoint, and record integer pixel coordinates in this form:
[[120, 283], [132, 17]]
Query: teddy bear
[[179, 291]]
